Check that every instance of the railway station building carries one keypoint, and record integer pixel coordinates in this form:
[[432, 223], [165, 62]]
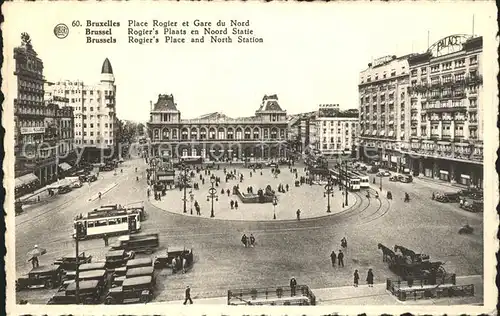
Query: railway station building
[[217, 137]]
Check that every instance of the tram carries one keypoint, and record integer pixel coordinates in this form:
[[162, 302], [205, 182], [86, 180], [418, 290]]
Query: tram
[[109, 222], [364, 179], [348, 179]]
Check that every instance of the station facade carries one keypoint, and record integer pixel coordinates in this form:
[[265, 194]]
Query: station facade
[[217, 137]]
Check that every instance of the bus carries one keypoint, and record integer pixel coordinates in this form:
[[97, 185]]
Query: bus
[[109, 222], [364, 179]]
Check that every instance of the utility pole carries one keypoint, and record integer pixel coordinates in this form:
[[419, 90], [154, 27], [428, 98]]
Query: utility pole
[[184, 181], [346, 201], [77, 272]]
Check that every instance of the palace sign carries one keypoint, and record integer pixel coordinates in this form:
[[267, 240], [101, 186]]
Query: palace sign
[[448, 45]]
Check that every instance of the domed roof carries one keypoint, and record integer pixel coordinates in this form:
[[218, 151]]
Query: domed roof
[[106, 67]]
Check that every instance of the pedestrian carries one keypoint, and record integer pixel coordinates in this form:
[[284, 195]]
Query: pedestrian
[[433, 196], [236, 204], [298, 214], [135, 169], [222, 192], [188, 296], [100, 195], [341, 258], [244, 240], [252, 240], [231, 204], [287, 187], [343, 242], [333, 256], [121, 170], [149, 193], [293, 286], [250, 174], [228, 192], [356, 278], [105, 238], [369, 278]]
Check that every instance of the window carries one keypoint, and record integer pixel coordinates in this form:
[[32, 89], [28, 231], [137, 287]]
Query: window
[[414, 72], [460, 76], [473, 60], [423, 71], [91, 108], [446, 78], [460, 63], [101, 223], [447, 66], [393, 72], [434, 68]]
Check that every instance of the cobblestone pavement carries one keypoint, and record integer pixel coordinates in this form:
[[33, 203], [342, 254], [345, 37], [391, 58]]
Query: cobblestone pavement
[[284, 248]]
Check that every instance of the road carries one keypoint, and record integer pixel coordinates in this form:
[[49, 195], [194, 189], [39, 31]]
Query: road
[[284, 249]]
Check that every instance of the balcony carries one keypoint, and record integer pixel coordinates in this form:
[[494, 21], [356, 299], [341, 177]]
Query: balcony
[[474, 80], [445, 109], [458, 94], [459, 118], [472, 122]]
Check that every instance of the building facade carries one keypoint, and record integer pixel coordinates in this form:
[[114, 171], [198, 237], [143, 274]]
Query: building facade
[[446, 130], [337, 134], [217, 137], [94, 109], [422, 113], [43, 137], [383, 115]]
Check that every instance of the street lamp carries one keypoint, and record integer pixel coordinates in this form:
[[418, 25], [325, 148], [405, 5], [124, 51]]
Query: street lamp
[[184, 183], [212, 194], [327, 193], [275, 202], [381, 183], [191, 198]]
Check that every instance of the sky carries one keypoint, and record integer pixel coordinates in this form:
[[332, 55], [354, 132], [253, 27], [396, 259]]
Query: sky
[[312, 53]]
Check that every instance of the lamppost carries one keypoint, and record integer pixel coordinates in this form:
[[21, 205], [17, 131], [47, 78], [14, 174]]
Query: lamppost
[[381, 183], [184, 183], [77, 270], [191, 199], [328, 192], [212, 194], [346, 194], [275, 202]]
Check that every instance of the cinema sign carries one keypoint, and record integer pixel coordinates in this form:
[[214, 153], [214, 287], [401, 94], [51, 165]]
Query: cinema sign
[[449, 44]]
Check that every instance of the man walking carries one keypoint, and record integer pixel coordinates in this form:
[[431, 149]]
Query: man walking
[[298, 214], [293, 285], [356, 278], [105, 238], [341, 258], [252, 240], [369, 278], [333, 256], [188, 296]]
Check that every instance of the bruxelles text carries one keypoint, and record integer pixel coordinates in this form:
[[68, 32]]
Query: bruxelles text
[[216, 150]]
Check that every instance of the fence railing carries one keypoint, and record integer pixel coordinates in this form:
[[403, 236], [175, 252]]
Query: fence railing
[[281, 295], [421, 289]]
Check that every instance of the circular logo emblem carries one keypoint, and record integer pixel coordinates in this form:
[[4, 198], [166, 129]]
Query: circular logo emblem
[[61, 30]]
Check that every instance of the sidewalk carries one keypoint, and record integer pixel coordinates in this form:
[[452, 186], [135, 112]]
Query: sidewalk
[[364, 295]]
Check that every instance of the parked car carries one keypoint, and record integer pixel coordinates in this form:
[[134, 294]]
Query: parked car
[[451, 197], [101, 276], [49, 277], [405, 178], [165, 260], [132, 290], [68, 263], [118, 258], [132, 264], [147, 243], [64, 189], [383, 174], [394, 178], [373, 169], [472, 193], [473, 206], [135, 272], [89, 292]]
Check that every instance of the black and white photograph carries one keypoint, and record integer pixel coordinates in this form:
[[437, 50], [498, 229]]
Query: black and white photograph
[[199, 157]]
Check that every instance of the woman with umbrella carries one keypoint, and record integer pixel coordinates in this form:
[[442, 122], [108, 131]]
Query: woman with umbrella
[[34, 254]]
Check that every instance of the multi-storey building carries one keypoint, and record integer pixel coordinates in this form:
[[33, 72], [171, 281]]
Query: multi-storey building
[[337, 132], [59, 136], [217, 137], [299, 130], [446, 131], [383, 111], [29, 115], [94, 109]]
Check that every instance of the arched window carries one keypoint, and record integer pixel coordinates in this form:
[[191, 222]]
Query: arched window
[[230, 133], [239, 133], [282, 133], [211, 133], [184, 134], [266, 133], [256, 133], [194, 133], [203, 133], [274, 133], [166, 134], [174, 133], [156, 134], [248, 133], [221, 134]]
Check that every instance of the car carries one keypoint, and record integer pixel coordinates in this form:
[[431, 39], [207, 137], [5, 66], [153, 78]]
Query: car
[[108, 168], [405, 178], [147, 243], [132, 264], [77, 184], [255, 166], [68, 262], [165, 260], [132, 290], [450, 197], [394, 178], [48, 276], [92, 177], [135, 272], [471, 193], [89, 292], [473, 206], [71, 275], [97, 275], [118, 258], [65, 189], [383, 174]]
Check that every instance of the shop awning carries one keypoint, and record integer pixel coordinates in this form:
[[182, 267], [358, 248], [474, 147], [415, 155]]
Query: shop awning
[[374, 133], [391, 133], [65, 166], [26, 179]]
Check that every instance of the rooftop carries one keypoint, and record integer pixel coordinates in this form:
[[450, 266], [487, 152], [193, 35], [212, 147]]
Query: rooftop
[[106, 67]]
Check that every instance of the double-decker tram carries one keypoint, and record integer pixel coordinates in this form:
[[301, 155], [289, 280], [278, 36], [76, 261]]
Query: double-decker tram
[[364, 179], [107, 221]]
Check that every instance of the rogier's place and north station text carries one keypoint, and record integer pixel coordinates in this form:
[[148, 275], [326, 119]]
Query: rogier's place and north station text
[[149, 32]]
